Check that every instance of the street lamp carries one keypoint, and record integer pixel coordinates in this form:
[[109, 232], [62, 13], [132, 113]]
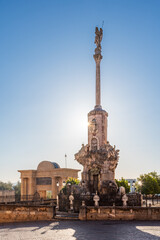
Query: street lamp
[[133, 185], [83, 183], [139, 183], [64, 183], [57, 187]]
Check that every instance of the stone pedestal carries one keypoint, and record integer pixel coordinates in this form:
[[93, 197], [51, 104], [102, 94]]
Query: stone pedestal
[[98, 167]]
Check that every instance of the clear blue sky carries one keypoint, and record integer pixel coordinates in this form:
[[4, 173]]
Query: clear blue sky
[[47, 81]]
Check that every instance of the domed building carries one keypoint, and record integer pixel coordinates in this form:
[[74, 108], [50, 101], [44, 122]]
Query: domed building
[[47, 180]]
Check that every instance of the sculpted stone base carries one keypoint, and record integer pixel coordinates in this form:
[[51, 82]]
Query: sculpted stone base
[[98, 168]]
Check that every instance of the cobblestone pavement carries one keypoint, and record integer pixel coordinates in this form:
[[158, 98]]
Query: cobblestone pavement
[[81, 230]]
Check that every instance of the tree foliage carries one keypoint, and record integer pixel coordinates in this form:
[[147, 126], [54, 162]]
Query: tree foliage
[[6, 186], [17, 188], [72, 181], [123, 183], [10, 186], [149, 183]]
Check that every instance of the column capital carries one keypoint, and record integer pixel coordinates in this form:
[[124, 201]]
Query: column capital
[[97, 58]]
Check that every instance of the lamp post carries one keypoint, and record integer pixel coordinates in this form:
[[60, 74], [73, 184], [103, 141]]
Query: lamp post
[[57, 195], [65, 160], [64, 183], [140, 185], [129, 185], [133, 186]]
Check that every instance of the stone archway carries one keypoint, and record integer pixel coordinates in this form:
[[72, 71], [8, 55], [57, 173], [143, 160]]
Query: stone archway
[[94, 179]]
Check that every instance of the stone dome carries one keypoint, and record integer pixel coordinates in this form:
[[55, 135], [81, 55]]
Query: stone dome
[[47, 166]]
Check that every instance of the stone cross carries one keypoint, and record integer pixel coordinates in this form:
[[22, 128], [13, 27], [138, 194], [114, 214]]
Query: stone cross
[[96, 199]]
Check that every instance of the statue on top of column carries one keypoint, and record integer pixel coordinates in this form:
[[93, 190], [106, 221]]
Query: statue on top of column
[[98, 39]]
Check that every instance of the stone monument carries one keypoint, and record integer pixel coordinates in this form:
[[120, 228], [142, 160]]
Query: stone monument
[[98, 157]]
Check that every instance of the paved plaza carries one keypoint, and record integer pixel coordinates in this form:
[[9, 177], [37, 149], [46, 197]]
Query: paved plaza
[[82, 230]]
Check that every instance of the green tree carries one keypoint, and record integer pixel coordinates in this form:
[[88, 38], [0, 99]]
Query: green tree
[[17, 188], [149, 183], [72, 181], [5, 186], [123, 183]]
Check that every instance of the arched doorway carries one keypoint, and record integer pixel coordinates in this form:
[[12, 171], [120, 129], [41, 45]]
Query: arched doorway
[[94, 177]]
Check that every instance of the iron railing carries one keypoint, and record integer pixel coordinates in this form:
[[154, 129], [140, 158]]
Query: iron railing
[[27, 199]]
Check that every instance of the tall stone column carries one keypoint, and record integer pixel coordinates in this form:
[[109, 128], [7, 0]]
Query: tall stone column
[[98, 58]]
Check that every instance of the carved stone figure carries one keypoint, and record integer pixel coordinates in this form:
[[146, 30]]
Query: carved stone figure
[[98, 37], [100, 163]]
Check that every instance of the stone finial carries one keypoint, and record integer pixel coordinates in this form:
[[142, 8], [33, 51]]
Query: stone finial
[[71, 199], [96, 199], [124, 200]]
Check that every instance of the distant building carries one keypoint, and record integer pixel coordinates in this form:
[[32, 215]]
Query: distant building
[[131, 183], [47, 180]]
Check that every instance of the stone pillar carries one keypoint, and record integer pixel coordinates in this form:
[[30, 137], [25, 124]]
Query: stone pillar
[[25, 186], [22, 186], [32, 185], [98, 58], [54, 188], [60, 184], [83, 213]]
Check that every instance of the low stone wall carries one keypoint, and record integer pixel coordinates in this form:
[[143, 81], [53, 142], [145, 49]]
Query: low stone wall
[[15, 213], [7, 196], [119, 213]]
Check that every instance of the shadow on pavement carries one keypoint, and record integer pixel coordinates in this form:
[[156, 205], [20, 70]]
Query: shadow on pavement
[[87, 230], [113, 230]]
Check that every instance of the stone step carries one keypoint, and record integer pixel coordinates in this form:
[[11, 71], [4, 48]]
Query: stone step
[[66, 216]]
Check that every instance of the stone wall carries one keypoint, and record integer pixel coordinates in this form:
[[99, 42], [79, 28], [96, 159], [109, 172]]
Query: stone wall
[[15, 213], [119, 213], [7, 196]]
